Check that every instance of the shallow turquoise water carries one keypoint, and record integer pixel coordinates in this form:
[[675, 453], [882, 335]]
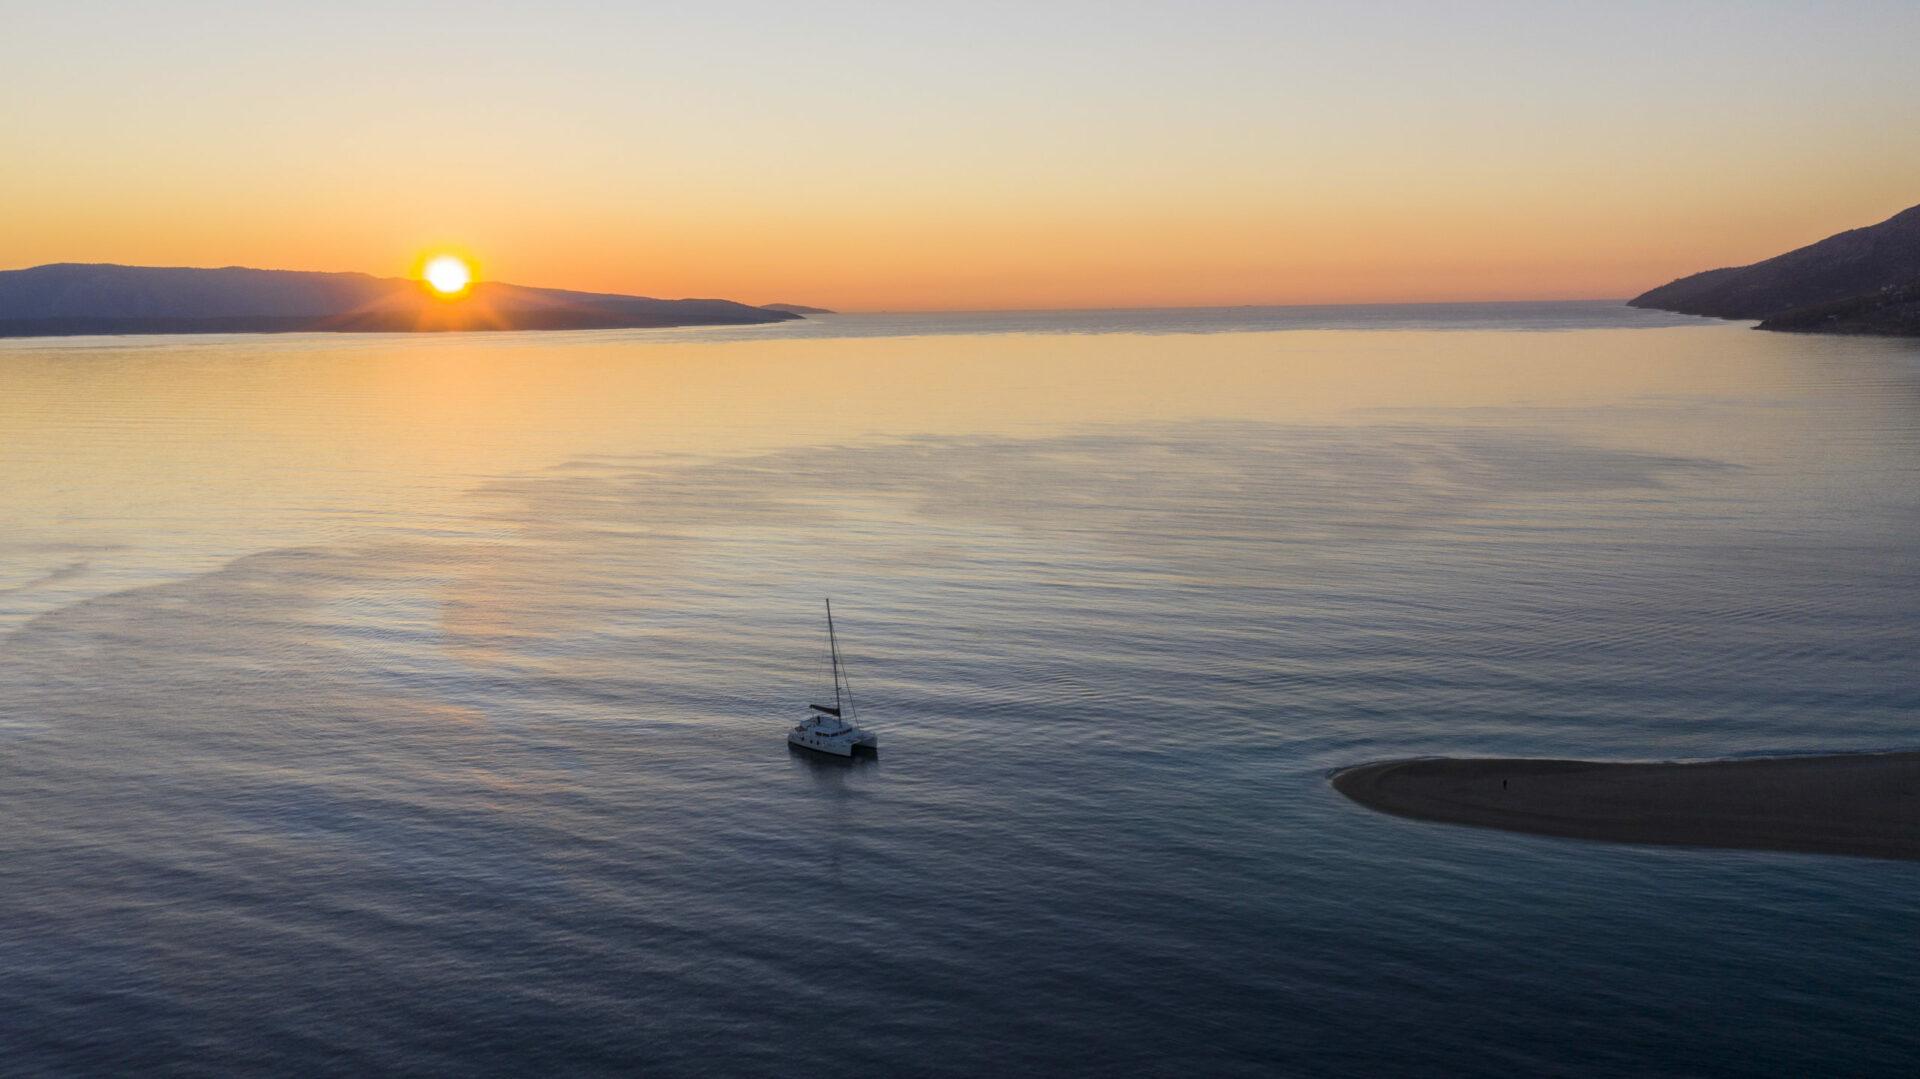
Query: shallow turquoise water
[[418, 703]]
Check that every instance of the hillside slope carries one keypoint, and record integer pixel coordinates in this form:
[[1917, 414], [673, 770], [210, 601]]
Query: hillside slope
[[1856, 270], [74, 298]]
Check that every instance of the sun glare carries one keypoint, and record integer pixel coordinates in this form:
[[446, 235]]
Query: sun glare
[[448, 275]]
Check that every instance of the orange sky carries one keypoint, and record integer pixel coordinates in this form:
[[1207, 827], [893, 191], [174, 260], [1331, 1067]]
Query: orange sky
[[981, 156]]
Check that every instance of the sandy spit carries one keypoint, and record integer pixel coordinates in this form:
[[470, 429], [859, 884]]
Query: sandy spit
[[1857, 804]]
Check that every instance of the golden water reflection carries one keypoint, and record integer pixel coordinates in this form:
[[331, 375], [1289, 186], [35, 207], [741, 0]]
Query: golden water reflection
[[136, 453]]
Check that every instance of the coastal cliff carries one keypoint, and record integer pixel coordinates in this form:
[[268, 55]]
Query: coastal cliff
[[1863, 281]]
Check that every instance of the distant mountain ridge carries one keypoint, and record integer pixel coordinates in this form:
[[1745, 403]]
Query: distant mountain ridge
[[796, 309], [90, 298], [1864, 280]]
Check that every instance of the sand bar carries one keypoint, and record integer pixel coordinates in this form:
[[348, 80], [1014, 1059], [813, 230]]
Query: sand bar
[[1857, 804]]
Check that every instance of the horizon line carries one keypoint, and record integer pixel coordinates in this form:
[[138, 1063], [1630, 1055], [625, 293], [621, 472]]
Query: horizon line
[[1220, 306], [858, 310]]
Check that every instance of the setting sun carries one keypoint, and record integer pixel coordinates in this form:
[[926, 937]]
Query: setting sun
[[448, 275]]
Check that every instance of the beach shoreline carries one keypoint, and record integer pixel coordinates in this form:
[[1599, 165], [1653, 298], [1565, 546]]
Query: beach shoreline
[[1862, 805]]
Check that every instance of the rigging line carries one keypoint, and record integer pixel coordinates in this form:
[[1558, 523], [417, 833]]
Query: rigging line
[[833, 651], [840, 671], [853, 710]]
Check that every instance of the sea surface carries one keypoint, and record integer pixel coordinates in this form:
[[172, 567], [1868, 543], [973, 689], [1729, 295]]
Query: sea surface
[[416, 704]]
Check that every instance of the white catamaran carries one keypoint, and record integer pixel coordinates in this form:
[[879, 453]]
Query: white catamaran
[[826, 729]]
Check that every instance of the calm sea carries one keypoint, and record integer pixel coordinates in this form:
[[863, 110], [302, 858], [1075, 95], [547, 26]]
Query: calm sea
[[416, 704]]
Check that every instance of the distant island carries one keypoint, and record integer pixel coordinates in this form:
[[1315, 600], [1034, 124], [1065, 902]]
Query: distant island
[[74, 298], [796, 309], [1863, 281]]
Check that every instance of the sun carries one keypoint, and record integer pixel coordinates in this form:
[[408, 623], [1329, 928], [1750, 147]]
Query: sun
[[447, 275]]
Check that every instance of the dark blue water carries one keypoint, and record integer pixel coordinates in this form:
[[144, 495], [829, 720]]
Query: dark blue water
[[418, 705]]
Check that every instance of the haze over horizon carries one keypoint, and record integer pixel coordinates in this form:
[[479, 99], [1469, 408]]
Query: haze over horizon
[[979, 156]]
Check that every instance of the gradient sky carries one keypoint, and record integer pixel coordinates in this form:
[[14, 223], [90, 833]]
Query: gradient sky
[[922, 156]]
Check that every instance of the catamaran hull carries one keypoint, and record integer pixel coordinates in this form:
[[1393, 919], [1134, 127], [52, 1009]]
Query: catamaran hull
[[838, 747]]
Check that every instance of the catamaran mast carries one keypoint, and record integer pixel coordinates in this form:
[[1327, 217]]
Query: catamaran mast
[[833, 649], [839, 672]]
